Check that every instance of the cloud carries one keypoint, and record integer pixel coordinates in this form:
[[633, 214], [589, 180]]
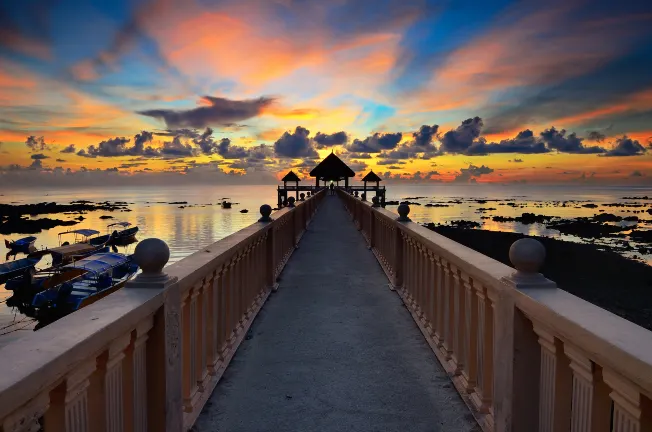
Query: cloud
[[177, 148], [596, 136], [424, 136], [295, 145], [83, 153], [557, 140], [36, 164], [469, 174], [61, 160], [35, 143], [69, 149], [39, 156], [626, 147], [215, 112], [375, 143], [516, 160], [460, 139], [110, 148], [323, 140], [524, 143]]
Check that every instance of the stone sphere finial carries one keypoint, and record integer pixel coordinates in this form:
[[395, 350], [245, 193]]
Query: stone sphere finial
[[363, 196], [374, 200], [302, 196], [265, 211], [291, 202], [527, 255], [403, 212], [151, 255]]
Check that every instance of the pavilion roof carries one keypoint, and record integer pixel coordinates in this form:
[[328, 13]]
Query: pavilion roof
[[291, 177], [371, 177], [332, 168]]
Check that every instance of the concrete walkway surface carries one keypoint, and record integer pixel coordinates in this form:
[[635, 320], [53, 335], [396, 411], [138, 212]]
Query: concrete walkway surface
[[334, 350]]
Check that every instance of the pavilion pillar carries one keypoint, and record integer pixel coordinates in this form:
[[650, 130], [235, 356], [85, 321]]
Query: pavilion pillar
[[297, 192], [346, 183]]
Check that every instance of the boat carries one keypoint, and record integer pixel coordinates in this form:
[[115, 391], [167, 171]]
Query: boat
[[17, 268], [85, 244], [24, 243], [119, 237], [84, 282], [226, 205], [29, 282]]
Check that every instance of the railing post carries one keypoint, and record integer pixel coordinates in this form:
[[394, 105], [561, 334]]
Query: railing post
[[270, 278], [403, 211], [372, 229], [162, 355], [517, 353]]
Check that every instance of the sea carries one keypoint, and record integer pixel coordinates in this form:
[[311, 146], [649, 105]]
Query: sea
[[189, 218]]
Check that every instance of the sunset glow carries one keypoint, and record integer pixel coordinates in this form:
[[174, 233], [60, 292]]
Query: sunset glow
[[427, 91]]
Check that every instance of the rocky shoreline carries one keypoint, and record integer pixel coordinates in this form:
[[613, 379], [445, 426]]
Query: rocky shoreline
[[602, 277]]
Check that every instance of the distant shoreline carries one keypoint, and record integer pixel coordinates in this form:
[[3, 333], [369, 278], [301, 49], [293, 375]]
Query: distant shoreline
[[604, 278]]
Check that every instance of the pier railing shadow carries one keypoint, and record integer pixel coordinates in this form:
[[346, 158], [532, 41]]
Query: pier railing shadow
[[147, 357], [524, 354]]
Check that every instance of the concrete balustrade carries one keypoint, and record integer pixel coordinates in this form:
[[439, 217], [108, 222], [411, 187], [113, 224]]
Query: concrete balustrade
[[524, 354], [147, 357]]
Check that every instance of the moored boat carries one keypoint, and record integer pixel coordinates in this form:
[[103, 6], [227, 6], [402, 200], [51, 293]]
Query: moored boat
[[85, 244], [84, 282], [119, 236], [226, 205], [17, 268], [24, 243]]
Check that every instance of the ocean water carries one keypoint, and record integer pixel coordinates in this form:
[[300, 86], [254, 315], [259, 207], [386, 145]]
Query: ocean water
[[202, 221]]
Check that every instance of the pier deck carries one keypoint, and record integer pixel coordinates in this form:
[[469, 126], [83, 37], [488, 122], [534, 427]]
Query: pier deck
[[334, 350]]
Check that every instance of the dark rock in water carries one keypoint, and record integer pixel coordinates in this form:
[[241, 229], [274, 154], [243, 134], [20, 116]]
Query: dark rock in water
[[397, 203], [80, 218], [106, 217], [631, 219], [642, 236], [244, 211], [179, 202], [637, 198], [604, 278], [590, 205], [49, 208], [584, 227], [607, 217], [437, 205], [414, 198], [486, 209], [465, 224], [31, 226], [525, 218]]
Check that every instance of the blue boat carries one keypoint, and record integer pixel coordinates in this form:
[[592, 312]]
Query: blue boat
[[22, 244], [84, 282], [121, 235], [17, 268]]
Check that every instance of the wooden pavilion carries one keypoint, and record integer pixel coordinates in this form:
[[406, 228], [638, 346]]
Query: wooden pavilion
[[332, 169]]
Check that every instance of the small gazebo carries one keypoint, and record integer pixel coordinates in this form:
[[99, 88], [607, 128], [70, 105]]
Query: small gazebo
[[332, 169], [291, 177]]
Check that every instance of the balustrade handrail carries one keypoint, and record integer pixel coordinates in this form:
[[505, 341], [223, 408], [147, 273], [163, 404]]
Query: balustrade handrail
[[148, 356], [573, 362]]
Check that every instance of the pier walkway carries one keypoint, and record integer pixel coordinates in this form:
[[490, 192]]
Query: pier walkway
[[333, 314], [334, 350]]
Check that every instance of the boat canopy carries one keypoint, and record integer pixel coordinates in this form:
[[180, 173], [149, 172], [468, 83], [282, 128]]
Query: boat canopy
[[99, 263], [122, 224], [84, 232]]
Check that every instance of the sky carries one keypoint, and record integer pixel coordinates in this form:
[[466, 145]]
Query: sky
[[221, 91]]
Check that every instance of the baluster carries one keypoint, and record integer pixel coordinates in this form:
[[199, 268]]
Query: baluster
[[627, 404], [591, 406], [420, 281], [430, 294], [449, 316], [555, 383], [76, 398], [113, 384], [201, 331], [186, 350], [27, 417], [484, 349], [135, 377], [440, 302], [470, 360], [457, 357]]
